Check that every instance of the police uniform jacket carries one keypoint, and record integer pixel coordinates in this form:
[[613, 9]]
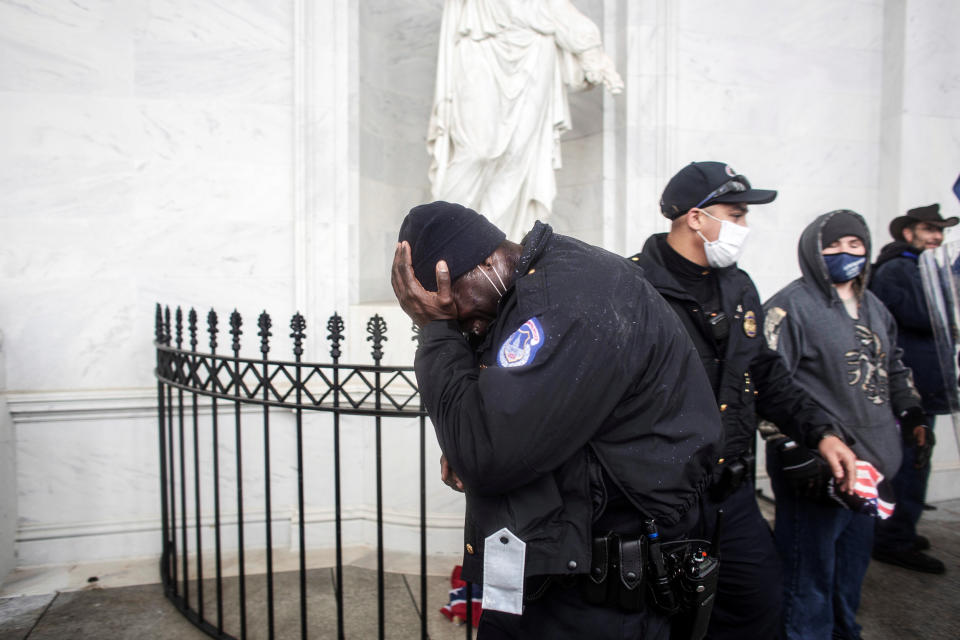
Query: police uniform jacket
[[753, 379], [582, 374]]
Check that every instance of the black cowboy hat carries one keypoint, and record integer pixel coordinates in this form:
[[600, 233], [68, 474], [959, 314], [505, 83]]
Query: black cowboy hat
[[929, 214]]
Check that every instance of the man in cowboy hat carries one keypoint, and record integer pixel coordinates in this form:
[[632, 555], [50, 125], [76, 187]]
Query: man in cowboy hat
[[922, 227], [897, 283]]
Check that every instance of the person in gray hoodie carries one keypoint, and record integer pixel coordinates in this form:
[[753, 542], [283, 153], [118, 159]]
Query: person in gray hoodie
[[839, 341]]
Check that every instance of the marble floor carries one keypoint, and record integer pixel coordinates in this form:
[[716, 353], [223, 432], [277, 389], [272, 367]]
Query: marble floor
[[124, 600]]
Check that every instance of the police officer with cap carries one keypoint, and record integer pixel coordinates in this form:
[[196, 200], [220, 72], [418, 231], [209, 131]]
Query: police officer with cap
[[571, 418], [694, 268]]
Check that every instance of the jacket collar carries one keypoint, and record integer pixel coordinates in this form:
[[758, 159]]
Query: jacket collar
[[534, 244], [897, 249], [651, 258]]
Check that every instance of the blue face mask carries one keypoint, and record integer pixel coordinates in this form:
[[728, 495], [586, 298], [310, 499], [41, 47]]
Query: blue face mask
[[844, 266]]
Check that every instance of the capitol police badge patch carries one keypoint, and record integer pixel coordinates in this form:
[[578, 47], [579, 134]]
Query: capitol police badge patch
[[750, 324], [522, 345]]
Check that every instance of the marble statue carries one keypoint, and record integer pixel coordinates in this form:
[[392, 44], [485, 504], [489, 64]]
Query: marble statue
[[500, 105]]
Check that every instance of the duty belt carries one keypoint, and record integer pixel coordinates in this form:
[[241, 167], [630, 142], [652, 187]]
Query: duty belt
[[675, 578], [733, 471]]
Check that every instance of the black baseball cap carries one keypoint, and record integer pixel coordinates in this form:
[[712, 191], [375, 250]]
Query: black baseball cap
[[451, 232], [700, 184]]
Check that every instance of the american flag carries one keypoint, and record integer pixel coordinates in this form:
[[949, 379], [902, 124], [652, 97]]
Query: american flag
[[868, 482], [868, 492]]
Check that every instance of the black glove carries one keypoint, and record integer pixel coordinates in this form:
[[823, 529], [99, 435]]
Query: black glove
[[923, 452], [802, 469]]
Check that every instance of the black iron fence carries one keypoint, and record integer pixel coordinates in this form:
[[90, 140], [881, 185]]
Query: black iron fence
[[203, 396]]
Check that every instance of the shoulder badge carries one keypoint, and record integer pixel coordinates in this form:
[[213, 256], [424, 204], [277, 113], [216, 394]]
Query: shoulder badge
[[772, 325], [522, 345], [750, 324]]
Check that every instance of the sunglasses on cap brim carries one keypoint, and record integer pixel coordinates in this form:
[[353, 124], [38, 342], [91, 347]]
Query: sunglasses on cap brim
[[737, 185]]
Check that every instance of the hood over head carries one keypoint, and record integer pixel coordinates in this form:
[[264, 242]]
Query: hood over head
[[812, 265]]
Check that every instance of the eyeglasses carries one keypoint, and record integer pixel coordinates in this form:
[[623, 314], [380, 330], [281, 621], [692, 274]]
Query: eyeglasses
[[737, 185]]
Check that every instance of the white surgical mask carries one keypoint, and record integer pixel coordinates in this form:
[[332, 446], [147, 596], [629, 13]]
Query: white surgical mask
[[727, 248], [499, 293]]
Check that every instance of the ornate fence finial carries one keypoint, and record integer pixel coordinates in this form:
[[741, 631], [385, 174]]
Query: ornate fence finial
[[335, 327], [166, 326], [235, 323], [377, 328], [158, 325], [192, 328], [264, 323], [179, 317], [212, 329], [298, 324], [417, 334]]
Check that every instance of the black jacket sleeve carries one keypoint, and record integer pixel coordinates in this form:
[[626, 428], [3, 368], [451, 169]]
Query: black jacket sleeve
[[780, 399], [903, 393], [898, 285], [501, 428], [785, 403]]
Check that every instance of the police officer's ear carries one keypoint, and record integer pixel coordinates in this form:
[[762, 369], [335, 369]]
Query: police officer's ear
[[694, 219]]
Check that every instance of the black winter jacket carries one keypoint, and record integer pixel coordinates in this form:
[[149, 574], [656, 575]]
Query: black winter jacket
[[753, 379], [896, 281], [583, 367]]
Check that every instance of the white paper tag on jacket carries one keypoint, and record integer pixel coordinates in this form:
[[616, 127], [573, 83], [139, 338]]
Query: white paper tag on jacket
[[503, 561]]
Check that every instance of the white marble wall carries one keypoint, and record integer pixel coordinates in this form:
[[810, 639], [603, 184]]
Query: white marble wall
[[397, 57], [147, 155], [920, 128], [578, 209], [8, 479], [793, 97]]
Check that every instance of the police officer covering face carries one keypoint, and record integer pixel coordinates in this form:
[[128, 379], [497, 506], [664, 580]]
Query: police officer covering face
[[694, 268], [574, 422]]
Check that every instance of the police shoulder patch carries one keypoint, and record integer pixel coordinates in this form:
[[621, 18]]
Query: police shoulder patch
[[522, 345]]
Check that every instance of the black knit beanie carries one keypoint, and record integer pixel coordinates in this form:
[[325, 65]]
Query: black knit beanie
[[842, 223], [447, 231]]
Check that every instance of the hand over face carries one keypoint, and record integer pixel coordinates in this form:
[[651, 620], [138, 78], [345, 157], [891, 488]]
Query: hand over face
[[421, 305]]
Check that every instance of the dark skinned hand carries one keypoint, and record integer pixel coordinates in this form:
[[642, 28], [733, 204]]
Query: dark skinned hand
[[421, 305], [449, 476], [924, 439]]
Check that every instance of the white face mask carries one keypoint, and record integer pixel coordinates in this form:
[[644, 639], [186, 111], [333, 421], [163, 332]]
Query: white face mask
[[727, 248]]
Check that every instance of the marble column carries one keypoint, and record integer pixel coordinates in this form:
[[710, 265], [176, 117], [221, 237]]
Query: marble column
[[8, 478], [325, 195], [920, 127]]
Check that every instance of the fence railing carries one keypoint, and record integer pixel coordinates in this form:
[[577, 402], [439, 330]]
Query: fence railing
[[202, 396]]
